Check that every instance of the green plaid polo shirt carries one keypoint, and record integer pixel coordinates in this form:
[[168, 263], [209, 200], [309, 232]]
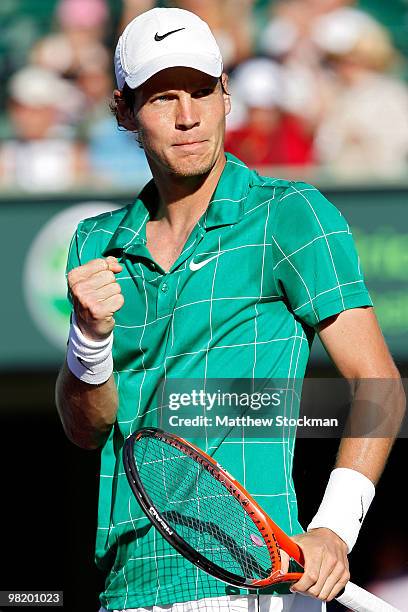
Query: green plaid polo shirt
[[264, 264]]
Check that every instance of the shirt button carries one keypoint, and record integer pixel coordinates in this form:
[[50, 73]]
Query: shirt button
[[164, 287]]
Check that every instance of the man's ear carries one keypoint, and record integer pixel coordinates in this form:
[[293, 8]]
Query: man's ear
[[124, 115], [227, 96]]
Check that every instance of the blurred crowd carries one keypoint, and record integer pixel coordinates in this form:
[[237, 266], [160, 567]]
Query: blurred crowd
[[314, 84]]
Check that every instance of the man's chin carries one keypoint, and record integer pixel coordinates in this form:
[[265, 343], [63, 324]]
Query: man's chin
[[192, 166], [185, 165]]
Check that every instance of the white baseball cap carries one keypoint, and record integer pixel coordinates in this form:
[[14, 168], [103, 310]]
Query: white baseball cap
[[164, 38]]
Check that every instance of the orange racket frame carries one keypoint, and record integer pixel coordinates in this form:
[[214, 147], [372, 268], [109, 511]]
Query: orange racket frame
[[274, 538]]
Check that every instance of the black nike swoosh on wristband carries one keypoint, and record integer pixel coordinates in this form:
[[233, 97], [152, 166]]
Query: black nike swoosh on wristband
[[360, 520], [81, 361], [158, 37]]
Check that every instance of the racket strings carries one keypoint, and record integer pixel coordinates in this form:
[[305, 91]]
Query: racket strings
[[200, 509]]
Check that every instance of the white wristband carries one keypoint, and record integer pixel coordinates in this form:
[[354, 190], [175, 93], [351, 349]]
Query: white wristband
[[89, 360], [345, 503]]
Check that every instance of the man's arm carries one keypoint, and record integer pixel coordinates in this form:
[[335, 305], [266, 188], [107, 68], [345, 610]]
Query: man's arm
[[355, 343], [88, 411]]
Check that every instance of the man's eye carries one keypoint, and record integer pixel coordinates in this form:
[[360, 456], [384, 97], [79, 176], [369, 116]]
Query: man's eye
[[162, 98]]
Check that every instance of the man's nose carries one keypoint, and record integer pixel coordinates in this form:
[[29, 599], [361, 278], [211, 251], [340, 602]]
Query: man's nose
[[187, 114]]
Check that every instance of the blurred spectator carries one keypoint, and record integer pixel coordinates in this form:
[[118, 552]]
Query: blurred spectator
[[269, 134], [114, 158], [80, 41], [288, 40], [41, 153], [131, 9], [365, 130], [232, 24], [288, 33], [94, 82]]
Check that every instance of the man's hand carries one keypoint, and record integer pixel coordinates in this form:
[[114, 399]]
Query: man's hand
[[97, 296], [326, 570]]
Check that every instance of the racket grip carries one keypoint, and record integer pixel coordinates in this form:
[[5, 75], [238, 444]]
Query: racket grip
[[359, 600]]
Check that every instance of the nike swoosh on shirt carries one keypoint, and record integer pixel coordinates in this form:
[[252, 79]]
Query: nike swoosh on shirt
[[158, 37], [197, 266]]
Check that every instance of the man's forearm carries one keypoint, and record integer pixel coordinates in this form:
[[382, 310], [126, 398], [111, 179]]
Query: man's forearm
[[87, 411], [365, 455], [375, 418], [376, 414]]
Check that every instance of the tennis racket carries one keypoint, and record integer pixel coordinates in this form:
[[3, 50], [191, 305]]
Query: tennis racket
[[209, 518]]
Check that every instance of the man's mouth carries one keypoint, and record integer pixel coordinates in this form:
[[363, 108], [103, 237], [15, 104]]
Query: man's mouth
[[190, 144]]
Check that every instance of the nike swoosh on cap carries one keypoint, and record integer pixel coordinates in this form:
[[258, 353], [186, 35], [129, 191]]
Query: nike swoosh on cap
[[197, 266], [160, 37]]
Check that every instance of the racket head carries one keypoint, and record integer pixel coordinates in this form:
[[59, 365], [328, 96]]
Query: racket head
[[256, 551]]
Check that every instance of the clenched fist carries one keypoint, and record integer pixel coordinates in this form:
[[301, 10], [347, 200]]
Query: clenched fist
[[96, 295]]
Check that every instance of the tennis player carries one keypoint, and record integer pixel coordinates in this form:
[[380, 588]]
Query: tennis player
[[213, 271]]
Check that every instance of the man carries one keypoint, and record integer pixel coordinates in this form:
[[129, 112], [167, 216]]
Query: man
[[213, 271]]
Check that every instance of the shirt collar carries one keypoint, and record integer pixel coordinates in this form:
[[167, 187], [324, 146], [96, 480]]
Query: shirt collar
[[225, 208], [227, 203]]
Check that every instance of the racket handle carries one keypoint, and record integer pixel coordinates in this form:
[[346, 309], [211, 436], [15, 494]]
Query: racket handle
[[360, 600]]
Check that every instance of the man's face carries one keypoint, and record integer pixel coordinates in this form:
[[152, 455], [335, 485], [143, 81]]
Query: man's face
[[180, 119]]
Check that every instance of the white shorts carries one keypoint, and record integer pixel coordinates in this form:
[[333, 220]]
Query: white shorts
[[239, 603]]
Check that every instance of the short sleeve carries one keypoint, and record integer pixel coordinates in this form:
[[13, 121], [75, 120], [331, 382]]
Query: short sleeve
[[73, 260], [316, 266]]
